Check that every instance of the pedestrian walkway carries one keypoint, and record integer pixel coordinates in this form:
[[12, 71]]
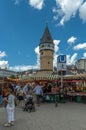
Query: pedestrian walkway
[[67, 116]]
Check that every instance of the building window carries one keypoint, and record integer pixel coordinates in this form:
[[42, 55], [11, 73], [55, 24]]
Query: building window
[[42, 45], [41, 53], [48, 62]]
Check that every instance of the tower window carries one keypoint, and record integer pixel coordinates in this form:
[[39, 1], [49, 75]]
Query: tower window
[[48, 62], [41, 53], [42, 45]]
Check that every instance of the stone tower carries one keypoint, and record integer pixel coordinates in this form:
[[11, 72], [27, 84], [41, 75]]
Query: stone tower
[[46, 49]]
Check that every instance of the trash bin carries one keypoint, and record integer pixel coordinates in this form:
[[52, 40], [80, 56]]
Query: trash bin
[[78, 98]]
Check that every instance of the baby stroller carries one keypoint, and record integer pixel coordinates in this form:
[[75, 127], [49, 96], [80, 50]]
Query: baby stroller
[[29, 105]]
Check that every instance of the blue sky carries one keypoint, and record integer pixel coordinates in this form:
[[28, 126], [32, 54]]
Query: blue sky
[[22, 24]]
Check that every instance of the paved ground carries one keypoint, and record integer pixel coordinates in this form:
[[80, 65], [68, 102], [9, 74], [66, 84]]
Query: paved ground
[[67, 116]]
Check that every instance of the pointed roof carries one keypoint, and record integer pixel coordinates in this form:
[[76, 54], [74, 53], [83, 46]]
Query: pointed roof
[[46, 38]]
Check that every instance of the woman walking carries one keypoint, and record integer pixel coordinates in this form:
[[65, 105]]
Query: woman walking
[[10, 108]]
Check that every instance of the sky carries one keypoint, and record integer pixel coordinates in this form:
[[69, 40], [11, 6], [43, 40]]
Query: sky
[[22, 24]]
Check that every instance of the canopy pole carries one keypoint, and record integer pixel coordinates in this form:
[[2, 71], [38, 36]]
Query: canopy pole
[[61, 80]]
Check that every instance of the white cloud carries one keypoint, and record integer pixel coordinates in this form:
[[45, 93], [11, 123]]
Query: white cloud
[[2, 54], [38, 56], [66, 9], [3, 64], [37, 50], [37, 4], [56, 42], [71, 40], [82, 12], [22, 67], [16, 2], [71, 59], [80, 46], [84, 54]]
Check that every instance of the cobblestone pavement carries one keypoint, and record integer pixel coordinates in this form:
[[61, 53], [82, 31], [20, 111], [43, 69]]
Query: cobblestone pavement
[[67, 116]]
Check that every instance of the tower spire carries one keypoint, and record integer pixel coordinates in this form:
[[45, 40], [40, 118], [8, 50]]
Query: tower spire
[[46, 35]]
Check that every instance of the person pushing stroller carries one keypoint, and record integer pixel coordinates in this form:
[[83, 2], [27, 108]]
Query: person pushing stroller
[[29, 104]]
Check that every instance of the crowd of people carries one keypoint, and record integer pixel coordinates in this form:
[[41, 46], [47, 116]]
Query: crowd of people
[[17, 94]]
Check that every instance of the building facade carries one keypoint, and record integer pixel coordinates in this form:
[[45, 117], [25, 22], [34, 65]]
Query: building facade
[[7, 73], [81, 66]]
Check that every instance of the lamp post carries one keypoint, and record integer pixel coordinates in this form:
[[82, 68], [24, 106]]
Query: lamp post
[[2, 81], [61, 66], [2, 85], [61, 80]]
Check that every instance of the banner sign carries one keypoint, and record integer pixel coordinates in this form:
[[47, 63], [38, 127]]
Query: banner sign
[[61, 62], [61, 59]]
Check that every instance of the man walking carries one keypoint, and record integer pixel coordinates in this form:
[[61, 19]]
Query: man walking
[[38, 92]]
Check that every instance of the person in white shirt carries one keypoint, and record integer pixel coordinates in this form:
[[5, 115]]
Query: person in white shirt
[[38, 92], [10, 108]]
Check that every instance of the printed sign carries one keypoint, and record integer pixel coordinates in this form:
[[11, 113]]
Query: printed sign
[[61, 59], [61, 62]]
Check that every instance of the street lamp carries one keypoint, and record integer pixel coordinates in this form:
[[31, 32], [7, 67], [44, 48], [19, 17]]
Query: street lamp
[[61, 80], [2, 81]]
